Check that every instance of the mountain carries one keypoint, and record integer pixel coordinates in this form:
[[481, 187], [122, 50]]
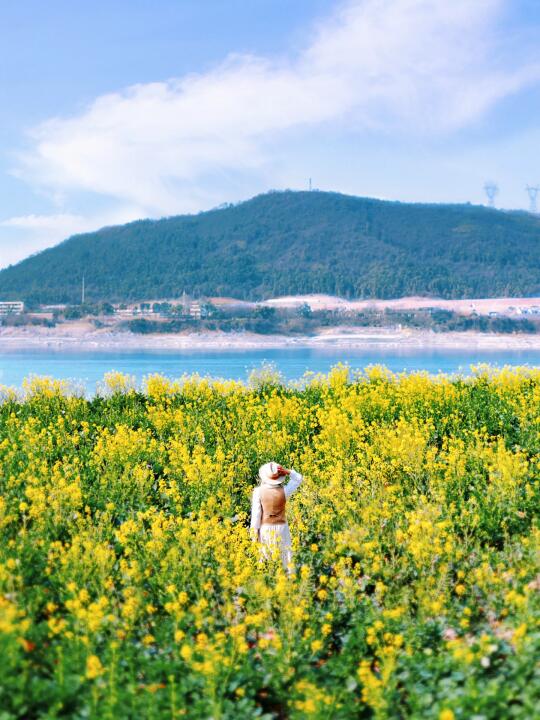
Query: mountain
[[293, 243]]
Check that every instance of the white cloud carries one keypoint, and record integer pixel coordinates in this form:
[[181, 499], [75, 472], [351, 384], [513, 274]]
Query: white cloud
[[400, 66], [428, 65], [63, 223]]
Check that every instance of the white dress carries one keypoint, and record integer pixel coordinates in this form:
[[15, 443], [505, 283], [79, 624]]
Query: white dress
[[279, 535]]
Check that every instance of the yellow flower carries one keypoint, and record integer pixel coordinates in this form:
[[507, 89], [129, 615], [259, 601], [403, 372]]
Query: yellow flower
[[186, 653], [201, 639], [446, 715], [94, 668], [56, 625]]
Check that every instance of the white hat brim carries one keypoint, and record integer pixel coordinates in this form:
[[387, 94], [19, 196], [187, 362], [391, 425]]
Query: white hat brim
[[267, 476]]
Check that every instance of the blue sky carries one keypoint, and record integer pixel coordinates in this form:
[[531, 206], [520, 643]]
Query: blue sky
[[111, 111]]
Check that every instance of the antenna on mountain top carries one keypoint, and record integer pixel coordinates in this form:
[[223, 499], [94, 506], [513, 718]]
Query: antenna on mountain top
[[82, 291], [532, 192], [310, 187], [492, 190]]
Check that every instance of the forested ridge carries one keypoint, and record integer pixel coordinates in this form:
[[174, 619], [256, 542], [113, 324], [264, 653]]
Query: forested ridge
[[293, 243]]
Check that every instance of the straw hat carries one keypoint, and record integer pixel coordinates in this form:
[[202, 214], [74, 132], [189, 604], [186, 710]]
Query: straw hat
[[268, 472]]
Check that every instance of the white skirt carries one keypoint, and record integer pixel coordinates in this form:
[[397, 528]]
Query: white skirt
[[276, 539]]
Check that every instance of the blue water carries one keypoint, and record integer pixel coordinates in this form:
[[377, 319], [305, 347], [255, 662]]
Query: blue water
[[88, 367]]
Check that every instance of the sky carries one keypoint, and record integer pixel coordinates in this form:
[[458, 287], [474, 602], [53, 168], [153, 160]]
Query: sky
[[114, 111]]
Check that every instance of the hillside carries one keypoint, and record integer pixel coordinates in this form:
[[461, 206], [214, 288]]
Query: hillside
[[294, 243]]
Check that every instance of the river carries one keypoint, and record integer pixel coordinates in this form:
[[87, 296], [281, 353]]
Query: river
[[88, 367]]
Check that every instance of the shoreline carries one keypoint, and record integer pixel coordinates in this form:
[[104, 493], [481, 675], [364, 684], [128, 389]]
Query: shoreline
[[352, 338]]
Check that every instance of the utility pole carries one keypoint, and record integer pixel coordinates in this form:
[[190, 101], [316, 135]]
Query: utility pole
[[82, 291]]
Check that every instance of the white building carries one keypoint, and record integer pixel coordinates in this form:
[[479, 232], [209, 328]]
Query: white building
[[11, 307], [195, 310]]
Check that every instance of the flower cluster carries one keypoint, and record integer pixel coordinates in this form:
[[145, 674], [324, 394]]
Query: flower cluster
[[130, 587]]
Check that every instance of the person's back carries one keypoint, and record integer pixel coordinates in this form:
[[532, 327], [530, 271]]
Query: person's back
[[268, 511], [273, 503]]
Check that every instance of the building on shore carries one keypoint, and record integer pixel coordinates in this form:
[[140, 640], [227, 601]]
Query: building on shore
[[11, 307], [195, 310]]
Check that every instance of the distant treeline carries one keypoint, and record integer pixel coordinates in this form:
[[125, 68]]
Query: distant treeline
[[293, 243]]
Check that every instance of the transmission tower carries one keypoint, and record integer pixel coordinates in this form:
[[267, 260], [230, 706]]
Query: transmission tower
[[492, 190], [532, 192]]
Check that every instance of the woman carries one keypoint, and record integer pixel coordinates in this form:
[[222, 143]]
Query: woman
[[268, 521]]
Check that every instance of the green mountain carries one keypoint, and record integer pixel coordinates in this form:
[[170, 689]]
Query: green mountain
[[293, 243]]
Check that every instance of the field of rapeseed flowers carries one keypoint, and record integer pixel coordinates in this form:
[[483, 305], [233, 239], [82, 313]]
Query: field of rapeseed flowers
[[129, 587]]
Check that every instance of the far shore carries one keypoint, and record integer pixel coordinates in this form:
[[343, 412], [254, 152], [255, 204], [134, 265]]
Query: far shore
[[82, 337]]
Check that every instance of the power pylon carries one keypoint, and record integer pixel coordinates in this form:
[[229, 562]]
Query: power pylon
[[532, 192], [492, 190]]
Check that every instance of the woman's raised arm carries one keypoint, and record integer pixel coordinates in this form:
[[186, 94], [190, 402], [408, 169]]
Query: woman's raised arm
[[295, 480]]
